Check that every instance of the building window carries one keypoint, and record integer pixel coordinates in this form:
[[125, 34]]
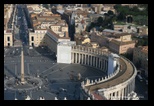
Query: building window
[[8, 38], [32, 38]]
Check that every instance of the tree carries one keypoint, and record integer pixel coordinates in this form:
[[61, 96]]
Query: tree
[[92, 24], [121, 16], [117, 6], [140, 20], [110, 12], [100, 20], [114, 18], [46, 6]]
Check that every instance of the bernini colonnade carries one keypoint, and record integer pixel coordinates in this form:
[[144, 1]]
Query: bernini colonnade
[[87, 56]]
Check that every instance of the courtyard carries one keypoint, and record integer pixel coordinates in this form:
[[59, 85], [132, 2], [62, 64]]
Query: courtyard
[[59, 80]]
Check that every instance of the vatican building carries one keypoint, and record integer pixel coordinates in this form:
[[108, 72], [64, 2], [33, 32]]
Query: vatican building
[[119, 82]]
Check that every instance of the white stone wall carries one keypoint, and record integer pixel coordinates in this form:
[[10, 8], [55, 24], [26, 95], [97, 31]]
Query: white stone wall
[[64, 52], [112, 62]]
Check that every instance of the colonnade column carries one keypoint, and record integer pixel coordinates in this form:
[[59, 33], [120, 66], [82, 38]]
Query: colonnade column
[[72, 57], [110, 96], [96, 62], [125, 92], [101, 64], [75, 57], [103, 67], [88, 59], [133, 88], [82, 59], [85, 59], [122, 94], [92, 60], [106, 66], [119, 93], [79, 58], [128, 88], [115, 96], [119, 96]]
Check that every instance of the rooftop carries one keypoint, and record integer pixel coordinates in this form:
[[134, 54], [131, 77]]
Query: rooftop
[[56, 35], [122, 43]]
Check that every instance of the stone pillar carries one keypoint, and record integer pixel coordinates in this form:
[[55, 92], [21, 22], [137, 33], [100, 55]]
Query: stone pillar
[[101, 62], [75, 57], [103, 68], [85, 60], [82, 58], [128, 89], [122, 94], [111, 95], [72, 57], [133, 88], [115, 96], [91, 61], [22, 67], [118, 95], [79, 58], [108, 95], [125, 91], [106, 65], [88, 59], [96, 62]]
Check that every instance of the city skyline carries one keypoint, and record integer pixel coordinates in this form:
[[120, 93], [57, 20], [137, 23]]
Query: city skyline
[[75, 52]]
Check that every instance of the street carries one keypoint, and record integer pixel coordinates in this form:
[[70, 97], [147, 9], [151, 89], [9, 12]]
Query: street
[[141, 89]]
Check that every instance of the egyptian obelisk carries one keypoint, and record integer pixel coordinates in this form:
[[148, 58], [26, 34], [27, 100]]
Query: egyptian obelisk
[[22, 67]]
